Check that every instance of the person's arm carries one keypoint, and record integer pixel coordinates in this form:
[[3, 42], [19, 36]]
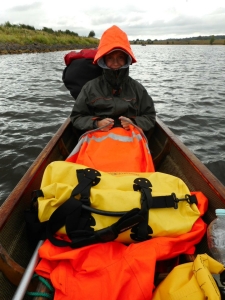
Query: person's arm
[[146, 110], [81, 116]]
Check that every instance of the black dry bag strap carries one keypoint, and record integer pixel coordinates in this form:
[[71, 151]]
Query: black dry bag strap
[[141, 231], [110, 233], [85, 220], [70, 211], [172, 201], [36, 230]]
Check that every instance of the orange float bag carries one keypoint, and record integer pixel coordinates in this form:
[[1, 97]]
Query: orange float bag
[[114, 151]]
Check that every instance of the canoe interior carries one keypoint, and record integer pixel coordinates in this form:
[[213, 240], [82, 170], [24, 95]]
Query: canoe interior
[[13, 235], [179, 162]]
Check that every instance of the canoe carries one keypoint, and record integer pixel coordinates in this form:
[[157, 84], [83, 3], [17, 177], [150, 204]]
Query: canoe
[[170, 155]]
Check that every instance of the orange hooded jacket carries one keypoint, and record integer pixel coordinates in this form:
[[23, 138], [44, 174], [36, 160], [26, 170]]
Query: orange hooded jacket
[[110, 40]]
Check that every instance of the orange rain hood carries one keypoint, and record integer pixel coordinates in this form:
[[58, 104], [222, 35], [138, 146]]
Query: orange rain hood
[[113, 38]]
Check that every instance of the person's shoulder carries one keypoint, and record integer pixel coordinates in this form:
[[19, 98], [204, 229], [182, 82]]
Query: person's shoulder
[[92, 82], [136, 83]]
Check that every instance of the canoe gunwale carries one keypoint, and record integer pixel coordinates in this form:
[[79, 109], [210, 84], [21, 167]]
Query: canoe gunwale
[[215, 185]]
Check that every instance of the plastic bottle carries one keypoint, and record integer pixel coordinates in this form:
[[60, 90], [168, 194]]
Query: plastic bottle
[[216, 236]]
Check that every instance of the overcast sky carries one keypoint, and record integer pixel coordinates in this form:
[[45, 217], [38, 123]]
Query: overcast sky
[[140, 19]]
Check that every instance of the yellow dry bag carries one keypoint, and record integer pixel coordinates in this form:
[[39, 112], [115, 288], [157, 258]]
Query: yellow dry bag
[[191, 281], [171, 210]]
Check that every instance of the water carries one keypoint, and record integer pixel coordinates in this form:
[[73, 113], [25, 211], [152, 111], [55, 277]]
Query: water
[[185, 82]]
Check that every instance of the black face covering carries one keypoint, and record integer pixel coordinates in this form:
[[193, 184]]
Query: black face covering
[[115, 78]]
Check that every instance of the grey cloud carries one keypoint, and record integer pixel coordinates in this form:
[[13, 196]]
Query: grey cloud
[[25, 8], [135, 25], [107, 20], [130, 19], [181, 26], [31, 14]]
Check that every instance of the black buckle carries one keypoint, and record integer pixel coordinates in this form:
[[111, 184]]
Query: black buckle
[[89, 173], [176, 200], [92, 174], [141, 183]]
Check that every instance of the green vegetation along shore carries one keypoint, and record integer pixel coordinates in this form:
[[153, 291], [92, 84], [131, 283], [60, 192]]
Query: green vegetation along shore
[[200, 40], [22, 38], [26, 39]]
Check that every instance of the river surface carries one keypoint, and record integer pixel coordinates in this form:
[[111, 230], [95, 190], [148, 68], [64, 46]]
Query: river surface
[[187, 84]]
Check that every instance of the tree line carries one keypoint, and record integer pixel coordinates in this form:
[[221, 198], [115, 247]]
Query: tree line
[[91, 34], [46, 29], [210, 38]]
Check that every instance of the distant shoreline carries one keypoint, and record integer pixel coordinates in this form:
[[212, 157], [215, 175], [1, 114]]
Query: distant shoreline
[[11, 48], [175, 42], [21, 38]]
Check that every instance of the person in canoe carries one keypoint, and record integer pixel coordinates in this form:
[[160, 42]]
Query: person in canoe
[[114, 111]]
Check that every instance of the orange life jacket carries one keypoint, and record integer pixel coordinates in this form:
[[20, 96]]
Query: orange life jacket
[[112, 270], [117, 150]]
